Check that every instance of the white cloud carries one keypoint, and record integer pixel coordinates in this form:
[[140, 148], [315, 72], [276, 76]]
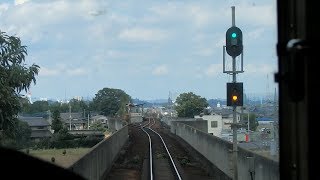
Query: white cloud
[[3, 7], [160, 70], [143, 34], [255, 34], [200, 15], [98, 31], [164, 10], [120, 18], [19, 2], [77, 72], [213, 70], [205, 51], [44, 17], [49, 72], [116, 54], [259, 69], [62, 69], [257, 14], [196, 13]]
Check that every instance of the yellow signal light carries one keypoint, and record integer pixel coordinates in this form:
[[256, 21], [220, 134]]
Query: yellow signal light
[[234, 98]]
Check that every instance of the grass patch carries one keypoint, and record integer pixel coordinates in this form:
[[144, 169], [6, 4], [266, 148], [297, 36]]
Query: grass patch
[[61, 159]]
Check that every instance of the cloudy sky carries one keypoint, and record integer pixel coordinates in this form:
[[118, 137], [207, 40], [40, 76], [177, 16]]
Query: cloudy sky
[[144, 47]]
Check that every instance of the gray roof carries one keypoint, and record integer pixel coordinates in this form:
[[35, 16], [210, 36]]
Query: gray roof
[[86, 132], [76, 121], [66, 116], [35, 121], [100, 117], [40, 133]]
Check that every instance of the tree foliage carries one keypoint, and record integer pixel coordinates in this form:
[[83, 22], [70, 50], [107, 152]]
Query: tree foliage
[[23, 133], [36, 107], [78, 106], [111, 102], [56, 121], [190, 104], [57, 106], [98, 126], [15, 76], [252, 119]]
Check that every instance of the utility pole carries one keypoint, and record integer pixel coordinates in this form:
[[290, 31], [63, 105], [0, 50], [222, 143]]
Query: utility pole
[[276, 123], [248, 125], [70, 117], [88, 121], [274, 145], [234, 48]]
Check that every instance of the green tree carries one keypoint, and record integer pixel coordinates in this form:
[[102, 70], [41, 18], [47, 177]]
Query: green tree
[[97, 126], [37, 107], [25, 104], [110, 102], [78, 106], [15, 77], [62, 134], [189, 104], [23, 133], [56, 122], [61, 107], [253, 121]]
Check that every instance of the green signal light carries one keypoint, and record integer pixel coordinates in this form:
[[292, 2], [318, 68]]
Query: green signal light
[[234, 35]]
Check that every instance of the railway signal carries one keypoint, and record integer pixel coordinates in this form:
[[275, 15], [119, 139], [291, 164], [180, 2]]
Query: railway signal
[[234, 94], [234, 44]]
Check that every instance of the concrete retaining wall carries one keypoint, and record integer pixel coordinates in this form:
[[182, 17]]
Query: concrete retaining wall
[[263, 168], [216, 150], [219, 153], [98, 161]]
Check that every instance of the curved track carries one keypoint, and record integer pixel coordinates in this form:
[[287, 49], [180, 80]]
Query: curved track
[[155, 171]]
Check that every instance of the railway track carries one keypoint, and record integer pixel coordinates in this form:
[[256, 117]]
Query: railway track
[[135, 163], [161, 164]]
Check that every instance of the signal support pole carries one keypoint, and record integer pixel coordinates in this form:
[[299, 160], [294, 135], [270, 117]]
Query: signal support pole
[[234, 48], [235, 129]]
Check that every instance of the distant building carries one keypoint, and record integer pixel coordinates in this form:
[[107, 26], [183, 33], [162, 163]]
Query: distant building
[[40, 127], [99, 118], [75, 120], [135, 117], [79, 98], [264, 120], [214, 124]]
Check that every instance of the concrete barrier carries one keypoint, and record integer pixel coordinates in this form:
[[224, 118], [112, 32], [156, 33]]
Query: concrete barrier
[[219, 153], [257, 166], [98, 161]]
